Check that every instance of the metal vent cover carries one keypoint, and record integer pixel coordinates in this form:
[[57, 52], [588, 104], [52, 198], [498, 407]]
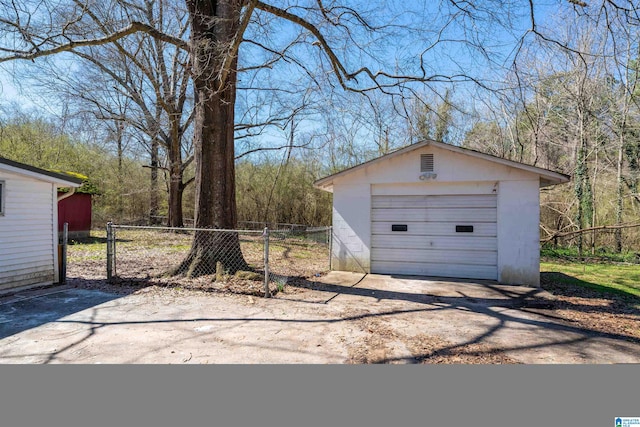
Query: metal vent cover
[[426, 163]]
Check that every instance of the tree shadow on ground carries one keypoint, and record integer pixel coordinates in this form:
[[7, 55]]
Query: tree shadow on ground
[[503, 308], [566, 285], [533, 298], [30, 309], [532, 301], [33, 307]]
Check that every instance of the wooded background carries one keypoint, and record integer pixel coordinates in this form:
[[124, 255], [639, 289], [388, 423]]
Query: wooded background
[[563, 96]]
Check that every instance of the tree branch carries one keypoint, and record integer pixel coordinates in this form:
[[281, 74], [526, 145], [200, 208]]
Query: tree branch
[[585, 230], [336, 64], [132, 28], [237, 40]]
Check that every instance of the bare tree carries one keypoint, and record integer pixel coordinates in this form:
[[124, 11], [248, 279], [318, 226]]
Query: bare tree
[[148, 74], [432, 119], [361, 46], [625, 116]]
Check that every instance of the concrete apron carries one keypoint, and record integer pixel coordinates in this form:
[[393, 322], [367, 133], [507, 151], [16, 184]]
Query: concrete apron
[[320, 326]]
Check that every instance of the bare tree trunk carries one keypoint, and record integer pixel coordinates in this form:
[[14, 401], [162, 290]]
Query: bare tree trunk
[[119, 131], [213, 27], [620, 192], [153, 190], [176, 190], [176, 173], [594, 234], [579, 190], [176, 187]]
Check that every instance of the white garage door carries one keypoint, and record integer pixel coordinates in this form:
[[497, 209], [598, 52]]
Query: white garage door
[[448, 236]]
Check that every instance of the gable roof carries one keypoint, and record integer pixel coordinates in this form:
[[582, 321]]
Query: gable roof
[[547, 177], [60, 179]]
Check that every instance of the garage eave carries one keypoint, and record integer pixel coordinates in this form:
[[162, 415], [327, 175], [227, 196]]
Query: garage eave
[[549, 181], [547, 177], [328, 187]]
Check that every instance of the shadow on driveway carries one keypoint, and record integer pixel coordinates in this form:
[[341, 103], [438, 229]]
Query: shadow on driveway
[[36, 310], [510, 307], [514, 319]]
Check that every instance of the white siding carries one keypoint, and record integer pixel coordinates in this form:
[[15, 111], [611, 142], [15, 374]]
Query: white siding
[[27, 232]]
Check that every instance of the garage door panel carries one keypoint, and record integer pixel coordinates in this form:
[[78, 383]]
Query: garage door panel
[[404, 202], [480, 229], [430, 244], [400, 241], [435, 256], [439, 270], [436, 214]]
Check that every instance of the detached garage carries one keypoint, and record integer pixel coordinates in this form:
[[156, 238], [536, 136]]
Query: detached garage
[[439, 210]]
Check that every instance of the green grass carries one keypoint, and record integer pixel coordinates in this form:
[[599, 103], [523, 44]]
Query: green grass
[[91, 248], [602, 277], [601, 254]]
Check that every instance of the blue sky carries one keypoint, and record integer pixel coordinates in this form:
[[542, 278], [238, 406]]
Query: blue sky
[[9, 92], [450, 58]]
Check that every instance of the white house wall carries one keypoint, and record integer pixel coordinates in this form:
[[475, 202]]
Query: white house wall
[[518, 206], [27, 250]]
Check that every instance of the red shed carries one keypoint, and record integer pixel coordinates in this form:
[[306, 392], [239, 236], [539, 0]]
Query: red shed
[[75, 210]]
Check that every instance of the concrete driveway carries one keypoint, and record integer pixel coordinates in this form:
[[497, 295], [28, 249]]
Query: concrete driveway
[[330, 320]]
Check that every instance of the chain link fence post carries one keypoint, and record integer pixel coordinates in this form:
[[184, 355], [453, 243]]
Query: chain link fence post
[[110, 241], [265, 234]]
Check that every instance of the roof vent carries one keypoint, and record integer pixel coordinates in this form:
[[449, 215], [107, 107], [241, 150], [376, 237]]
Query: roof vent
[[426, 163]]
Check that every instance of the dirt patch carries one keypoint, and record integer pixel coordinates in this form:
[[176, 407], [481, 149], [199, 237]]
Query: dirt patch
[[381, 342], [605, 313]]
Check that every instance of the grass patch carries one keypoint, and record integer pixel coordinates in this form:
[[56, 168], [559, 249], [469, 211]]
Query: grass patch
[[600, 255], [91, 248], [606, 278], [88, 247]]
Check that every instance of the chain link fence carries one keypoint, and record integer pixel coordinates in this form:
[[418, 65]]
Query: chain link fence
[[159, 220], [258, 262], [298, 254]]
